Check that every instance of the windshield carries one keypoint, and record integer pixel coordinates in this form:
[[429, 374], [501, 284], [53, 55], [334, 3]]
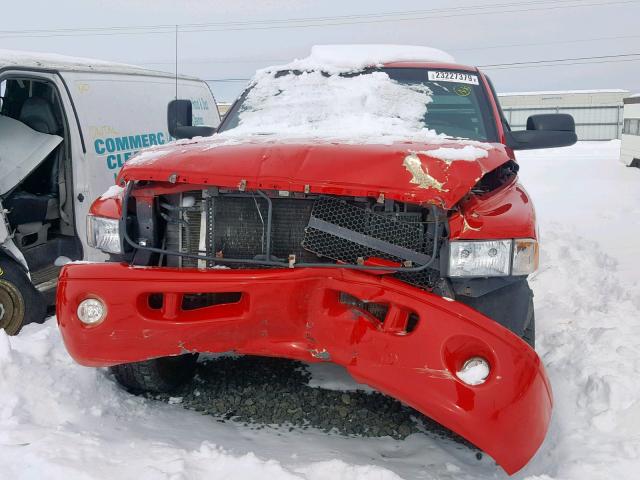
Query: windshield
[[397, 102]]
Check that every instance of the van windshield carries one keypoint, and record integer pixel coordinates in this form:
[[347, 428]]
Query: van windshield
[[396, 102]]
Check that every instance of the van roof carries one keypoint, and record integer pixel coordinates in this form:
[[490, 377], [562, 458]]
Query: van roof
[[54, 61]]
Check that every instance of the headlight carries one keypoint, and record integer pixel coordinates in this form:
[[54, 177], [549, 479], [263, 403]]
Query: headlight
[[103, 234], [493, 258], [480, 259]]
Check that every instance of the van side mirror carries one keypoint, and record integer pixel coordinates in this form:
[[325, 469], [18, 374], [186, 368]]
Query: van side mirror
[[546, 130], [180, 121]]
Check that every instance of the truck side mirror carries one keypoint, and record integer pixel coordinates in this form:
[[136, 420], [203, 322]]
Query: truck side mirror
[[546, 130], [180, 121]]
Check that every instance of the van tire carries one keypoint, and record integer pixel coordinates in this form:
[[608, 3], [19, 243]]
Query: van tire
[[159, 375], [20, 302]]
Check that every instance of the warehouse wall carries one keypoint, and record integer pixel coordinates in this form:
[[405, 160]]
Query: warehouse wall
[[598, 114]]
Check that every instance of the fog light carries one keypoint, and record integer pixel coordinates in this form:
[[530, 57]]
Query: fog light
[[475, 371], [91, 311]]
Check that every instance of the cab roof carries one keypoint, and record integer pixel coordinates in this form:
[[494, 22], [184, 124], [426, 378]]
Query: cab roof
[[441, 65], [54, 61], [347, 58]]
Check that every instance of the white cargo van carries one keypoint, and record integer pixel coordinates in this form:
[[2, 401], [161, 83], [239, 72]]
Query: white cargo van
[[67, 126], [630, 146]]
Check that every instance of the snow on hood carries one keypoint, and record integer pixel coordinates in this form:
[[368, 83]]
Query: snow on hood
[[348, 58], [114, 191]]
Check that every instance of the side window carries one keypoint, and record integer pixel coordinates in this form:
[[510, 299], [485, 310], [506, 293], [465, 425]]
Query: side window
[[627, 126], [14, 93], [634, 126]]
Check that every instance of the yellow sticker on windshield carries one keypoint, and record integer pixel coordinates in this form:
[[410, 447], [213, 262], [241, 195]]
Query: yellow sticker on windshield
[[462, 90]]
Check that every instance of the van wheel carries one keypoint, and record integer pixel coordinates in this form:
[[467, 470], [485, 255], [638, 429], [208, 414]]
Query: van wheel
[[159, 375], [20, 302]]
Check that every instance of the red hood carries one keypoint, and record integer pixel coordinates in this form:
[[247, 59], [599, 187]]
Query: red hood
[[400, 171]]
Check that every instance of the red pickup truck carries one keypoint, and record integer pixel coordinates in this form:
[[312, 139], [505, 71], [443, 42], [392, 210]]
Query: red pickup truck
[[367, 215]]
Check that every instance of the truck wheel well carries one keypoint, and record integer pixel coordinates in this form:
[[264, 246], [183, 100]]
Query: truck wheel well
[[511, 305]]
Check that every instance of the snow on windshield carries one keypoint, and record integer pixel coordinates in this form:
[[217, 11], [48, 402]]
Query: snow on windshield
[[321, 105]]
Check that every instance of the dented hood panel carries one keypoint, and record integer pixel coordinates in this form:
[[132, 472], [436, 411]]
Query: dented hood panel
[[401, 171]]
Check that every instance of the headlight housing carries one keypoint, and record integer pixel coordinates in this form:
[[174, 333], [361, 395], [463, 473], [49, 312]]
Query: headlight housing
[[492, 258], [104, 234]]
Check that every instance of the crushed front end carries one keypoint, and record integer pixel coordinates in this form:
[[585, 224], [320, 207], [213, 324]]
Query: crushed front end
[[360, 281]]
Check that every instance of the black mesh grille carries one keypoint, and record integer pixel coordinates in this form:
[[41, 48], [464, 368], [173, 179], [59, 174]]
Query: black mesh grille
[[427, 278], [403, 230]]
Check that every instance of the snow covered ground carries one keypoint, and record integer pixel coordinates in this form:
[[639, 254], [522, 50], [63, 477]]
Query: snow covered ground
[[62, 421]]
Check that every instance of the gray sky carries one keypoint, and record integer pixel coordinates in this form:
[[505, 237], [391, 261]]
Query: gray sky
[[489, 35]]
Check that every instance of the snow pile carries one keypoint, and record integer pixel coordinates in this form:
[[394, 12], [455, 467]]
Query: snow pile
[[114, 191], [588, 308], [468, 152], [53, 60], [588, 336], [349, 58], [21, 56], [62, 421], [313, 98], [474, 374], [333, 377], [313, 104], [61, 261], [149, 155]]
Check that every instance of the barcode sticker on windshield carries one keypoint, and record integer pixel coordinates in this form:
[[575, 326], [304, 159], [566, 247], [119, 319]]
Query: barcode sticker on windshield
[[448, 76]]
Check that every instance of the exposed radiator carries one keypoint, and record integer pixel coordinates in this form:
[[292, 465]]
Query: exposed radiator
[[323, 229]]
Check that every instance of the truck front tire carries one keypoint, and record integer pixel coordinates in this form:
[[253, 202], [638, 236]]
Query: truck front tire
[[20, 302], [159, 375]]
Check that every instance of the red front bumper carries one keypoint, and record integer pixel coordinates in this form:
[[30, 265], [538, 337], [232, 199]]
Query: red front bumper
[[298, 314]]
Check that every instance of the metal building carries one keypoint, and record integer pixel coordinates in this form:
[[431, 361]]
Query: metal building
[[598, 113], [223, 108]]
